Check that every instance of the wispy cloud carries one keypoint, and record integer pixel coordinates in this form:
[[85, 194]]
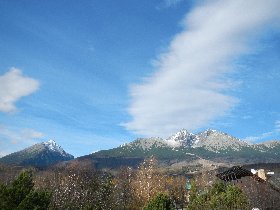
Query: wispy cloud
[[168, 3], [266, 135], [24, 136], [190, 83], [254, 139], [13, 86], [31, 134], [247, 117], [171, 3], [277, 126]]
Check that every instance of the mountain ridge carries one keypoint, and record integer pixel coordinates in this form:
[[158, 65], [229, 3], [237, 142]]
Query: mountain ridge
[[181, 148], [209, 145], [208, 138]]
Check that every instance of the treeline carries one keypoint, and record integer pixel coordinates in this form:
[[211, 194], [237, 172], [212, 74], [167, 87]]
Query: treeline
[[79, 186]]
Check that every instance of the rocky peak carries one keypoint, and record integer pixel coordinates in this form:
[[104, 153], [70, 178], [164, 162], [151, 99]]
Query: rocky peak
[[215, 140], [181, 138], [146, 143], [52, 145], [270, 144]]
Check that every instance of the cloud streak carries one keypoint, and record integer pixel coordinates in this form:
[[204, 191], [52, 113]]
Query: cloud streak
[[266, 135], [19, 138], [14, 86], [277, 126], [171, 3], [22, 136], [190, 85], [168, 4]]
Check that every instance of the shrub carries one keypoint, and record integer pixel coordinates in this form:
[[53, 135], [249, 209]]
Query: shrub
[[160, 202], [219, 196]]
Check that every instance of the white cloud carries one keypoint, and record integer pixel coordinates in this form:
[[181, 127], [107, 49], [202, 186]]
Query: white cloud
[[254, 139], [277, 126], [12, 139], [171, 3], [247, 117], [265, 135], [31, 134], [24, 136], [168, 3], [188, 89], [13, 86]]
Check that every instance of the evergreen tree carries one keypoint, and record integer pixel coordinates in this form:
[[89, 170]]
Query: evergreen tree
[[160, 202], [4, 202], [21, 195], [220, 196], [35, 200], [21, 187]]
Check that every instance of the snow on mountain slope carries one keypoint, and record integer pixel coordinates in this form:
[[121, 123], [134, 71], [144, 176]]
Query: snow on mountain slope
[[181, 138], [209, 145], [215, 140], [146, 143], [270, 144], [41, 154], [211, 140], [53, 146]]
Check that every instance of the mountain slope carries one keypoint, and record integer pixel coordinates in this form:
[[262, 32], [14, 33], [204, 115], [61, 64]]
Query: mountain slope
[[38, 155], [209, 145], [217, 141]]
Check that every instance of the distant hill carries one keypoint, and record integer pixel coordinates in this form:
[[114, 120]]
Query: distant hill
[[38, 155], [210, 147]]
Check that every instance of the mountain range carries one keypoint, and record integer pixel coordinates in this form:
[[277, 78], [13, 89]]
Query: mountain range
[[209, 147], [183, 149]]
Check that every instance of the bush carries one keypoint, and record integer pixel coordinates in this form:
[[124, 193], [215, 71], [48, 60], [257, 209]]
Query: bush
[[220, 196], [160, 202]]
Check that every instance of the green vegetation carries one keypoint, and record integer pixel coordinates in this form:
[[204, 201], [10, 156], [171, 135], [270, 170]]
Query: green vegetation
[[78, 185], [160, 202], [220, 196], [166, 153], [18, 158], [37, 155], [162, 153], [21, 194]]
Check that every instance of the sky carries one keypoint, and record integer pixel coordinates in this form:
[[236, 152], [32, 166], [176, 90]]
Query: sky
[[95, 74]]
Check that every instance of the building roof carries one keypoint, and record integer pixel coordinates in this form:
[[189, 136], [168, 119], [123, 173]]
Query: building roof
[[234, 173]]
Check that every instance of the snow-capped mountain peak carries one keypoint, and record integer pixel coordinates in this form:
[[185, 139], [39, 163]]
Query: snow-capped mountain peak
[[52, 145], [210, 140], [216, 140], [181, 138], [38, 155]]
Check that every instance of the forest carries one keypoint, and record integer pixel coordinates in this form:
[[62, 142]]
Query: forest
[[80, 186]]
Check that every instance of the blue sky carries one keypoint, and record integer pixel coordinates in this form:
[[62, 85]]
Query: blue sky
[[95, 74]]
